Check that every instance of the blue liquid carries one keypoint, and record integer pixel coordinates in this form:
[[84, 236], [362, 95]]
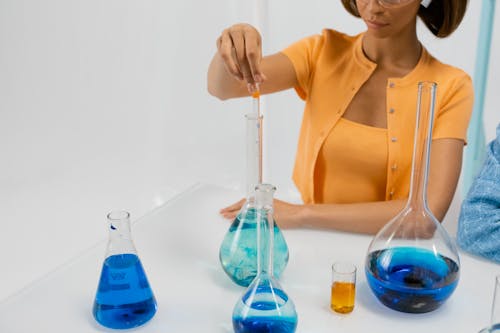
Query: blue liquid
[[495, 328], [263, 325], [124, 298], [409, 279], [264, 308], [238, 251]]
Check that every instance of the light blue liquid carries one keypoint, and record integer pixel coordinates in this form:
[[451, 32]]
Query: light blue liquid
[[238, 251], [264, 310], [410, 279], [124, 298]]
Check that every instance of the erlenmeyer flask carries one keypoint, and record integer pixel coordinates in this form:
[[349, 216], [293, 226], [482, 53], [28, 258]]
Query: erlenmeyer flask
[[412, 264], [124, 298], [238, 251], [265, 306]]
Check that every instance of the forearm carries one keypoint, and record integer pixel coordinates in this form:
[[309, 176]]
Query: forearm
[[365, 218]]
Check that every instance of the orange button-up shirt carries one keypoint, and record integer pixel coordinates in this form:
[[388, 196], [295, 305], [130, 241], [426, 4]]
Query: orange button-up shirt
[[330, 70]]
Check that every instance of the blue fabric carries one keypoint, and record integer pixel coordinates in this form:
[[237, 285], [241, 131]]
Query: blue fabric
[[479, 221]]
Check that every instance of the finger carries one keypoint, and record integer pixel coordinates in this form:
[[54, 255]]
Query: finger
[[254, 56], [225, 47], [229, 216], [234, 207], [241, 56]]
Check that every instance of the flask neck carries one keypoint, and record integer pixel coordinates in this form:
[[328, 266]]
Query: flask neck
[[254, 152], [264, 194], [422, 146], [120, 236]]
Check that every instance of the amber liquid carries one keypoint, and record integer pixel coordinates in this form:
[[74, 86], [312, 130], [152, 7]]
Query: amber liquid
[[342, 299]]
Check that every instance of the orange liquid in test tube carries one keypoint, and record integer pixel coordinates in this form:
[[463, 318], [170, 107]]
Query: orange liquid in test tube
[[342, 298], [256, 94]]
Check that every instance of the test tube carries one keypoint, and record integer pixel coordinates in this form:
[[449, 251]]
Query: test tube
[[343, 289]]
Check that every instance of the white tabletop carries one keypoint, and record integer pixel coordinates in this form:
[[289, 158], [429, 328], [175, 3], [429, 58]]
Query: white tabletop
[[178, 245]]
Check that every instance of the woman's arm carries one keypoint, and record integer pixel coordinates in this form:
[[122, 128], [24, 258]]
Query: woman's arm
[[369, 217], [238, 65], [479, 221]]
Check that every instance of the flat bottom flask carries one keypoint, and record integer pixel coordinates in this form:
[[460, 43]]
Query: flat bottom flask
[[266, 309], [411, 279], [238, 251], [124, 298]]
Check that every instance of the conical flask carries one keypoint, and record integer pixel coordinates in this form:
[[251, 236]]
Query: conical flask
[[124, 298], [238, 251], [264, 306], [412, 264]]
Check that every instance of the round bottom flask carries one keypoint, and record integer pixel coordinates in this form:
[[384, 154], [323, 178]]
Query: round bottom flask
[[265, 306], [412, 264]]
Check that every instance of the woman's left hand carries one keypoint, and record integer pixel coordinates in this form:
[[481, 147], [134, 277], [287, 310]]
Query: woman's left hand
[[287, 215]]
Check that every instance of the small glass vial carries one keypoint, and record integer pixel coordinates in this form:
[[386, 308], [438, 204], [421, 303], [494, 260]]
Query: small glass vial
[[343, 290], [124, 298]]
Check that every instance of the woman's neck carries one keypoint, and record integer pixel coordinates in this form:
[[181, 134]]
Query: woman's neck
[[397, 52]]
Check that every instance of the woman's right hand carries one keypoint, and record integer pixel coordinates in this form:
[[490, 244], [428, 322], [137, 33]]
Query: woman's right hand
[[240, 47]]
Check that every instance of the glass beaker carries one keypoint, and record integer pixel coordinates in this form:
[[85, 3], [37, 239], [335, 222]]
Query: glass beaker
[[343, 289], [124, 298], [412, 264], [264, 306], [238, 251]]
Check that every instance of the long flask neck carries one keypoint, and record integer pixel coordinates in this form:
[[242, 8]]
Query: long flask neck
[[422, 146], [264, 194]]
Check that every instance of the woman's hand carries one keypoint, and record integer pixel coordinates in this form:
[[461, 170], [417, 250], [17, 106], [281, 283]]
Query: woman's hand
[[287, 215], [230, 212], [240, 47]]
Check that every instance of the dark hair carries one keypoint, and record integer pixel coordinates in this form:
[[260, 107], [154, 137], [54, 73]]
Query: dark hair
[[442, 17]]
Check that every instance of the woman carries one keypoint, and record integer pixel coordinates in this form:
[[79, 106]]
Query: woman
[[354, 154]]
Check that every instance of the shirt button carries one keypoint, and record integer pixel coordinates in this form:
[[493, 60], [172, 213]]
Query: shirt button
[[394, 167], [391, 85], [391, 194], [391, 110], [394, 139]]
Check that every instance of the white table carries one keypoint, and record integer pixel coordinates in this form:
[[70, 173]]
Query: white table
[[178, 245]]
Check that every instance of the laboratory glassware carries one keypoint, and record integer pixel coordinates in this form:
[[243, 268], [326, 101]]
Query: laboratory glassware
[[124, 298], [494, 326], [412, 264], [238, 251], [343, 288], [264, 306]]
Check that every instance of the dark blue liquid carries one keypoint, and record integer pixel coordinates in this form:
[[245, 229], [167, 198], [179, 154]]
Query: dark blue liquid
[[263, 325], [265, 309], [124, 298], [410, 279]]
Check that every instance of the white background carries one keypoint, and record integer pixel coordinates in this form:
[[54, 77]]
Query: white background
[[103, 105]]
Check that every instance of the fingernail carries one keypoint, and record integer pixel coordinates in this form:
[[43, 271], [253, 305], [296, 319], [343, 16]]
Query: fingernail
[[258, 78]]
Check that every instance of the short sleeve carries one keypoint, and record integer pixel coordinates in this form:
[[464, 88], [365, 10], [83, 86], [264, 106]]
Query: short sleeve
[[302, 55], [455, 110]]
